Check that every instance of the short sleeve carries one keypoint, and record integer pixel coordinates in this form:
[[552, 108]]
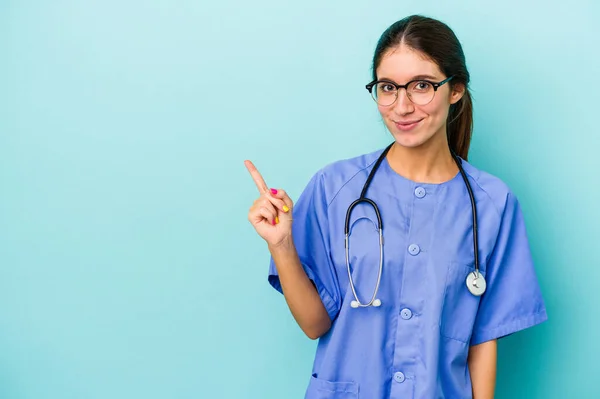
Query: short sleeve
[[513, 299], [312, 240]]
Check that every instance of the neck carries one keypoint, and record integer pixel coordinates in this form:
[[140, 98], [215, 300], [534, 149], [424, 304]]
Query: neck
[[425, 164]]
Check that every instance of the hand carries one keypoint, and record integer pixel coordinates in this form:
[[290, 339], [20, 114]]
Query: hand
[[271, 213]]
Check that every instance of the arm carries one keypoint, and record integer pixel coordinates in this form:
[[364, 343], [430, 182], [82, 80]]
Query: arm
[[271, 217], [482, 367], [299, 292], [513, 300]]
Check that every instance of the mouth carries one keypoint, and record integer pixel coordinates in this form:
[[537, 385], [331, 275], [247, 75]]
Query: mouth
[[407, 125]]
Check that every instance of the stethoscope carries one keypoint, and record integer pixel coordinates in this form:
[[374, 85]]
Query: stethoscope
[[475, 281]]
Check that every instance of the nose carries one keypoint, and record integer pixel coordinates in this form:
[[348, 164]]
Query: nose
[[403, 105]]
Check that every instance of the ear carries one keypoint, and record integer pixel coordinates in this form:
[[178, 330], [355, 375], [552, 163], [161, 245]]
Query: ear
[[457, 92]]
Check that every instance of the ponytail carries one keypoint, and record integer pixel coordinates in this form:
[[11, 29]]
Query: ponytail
[[460, 126]]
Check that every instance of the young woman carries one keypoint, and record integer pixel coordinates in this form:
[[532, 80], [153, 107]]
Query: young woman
[[408, 289]]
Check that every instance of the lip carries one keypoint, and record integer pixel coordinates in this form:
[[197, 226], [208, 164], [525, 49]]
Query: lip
[[407, 125]]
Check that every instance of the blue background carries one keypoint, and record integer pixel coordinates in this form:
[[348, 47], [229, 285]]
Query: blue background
[[127, 266]]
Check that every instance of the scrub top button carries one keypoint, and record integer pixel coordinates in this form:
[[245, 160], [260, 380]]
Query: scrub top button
[[419, 192], [399, 376], [406, 314], [414, 249]]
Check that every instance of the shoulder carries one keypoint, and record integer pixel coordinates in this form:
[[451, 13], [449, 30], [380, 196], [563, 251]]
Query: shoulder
[[490, 188], [333, 177]]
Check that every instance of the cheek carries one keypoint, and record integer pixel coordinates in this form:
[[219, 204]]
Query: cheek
[[384, 111], [436, 109]]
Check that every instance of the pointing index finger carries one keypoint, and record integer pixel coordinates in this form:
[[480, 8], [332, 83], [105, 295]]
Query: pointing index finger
[[256, 176]]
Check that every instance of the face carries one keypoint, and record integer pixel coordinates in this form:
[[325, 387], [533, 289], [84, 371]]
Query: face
[[415, 125]]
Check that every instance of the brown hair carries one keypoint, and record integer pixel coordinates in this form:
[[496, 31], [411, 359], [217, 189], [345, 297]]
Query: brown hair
[[437, 41]]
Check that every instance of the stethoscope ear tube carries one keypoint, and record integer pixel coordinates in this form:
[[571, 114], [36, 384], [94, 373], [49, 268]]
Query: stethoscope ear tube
[[351, 207], [374, 300], [473, 211]]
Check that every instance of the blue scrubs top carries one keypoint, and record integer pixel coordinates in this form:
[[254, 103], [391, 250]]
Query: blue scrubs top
[[415, 345]]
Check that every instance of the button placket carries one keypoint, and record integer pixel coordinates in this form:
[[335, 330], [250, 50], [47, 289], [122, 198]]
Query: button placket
[[406, 357]]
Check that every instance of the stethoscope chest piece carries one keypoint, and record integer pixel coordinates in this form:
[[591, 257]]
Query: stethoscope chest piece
[[476, 283]]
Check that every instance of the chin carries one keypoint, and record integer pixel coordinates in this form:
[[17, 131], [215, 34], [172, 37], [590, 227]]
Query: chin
[[409, 142], [411, 139]]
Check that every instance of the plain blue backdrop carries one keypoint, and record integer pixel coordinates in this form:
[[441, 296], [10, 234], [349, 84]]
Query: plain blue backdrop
[[127, 266]]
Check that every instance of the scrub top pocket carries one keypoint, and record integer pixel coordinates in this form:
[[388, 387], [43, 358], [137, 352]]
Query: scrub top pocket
[[322, 389], [460, 306]]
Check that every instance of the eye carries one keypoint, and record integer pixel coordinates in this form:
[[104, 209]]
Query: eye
[[422, 86], [386, 87]]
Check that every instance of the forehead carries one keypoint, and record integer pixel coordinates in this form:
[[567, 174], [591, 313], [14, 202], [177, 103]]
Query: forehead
[[402, 63]]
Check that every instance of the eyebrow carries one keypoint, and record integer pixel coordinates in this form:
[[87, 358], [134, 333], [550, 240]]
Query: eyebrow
[[417, 77]]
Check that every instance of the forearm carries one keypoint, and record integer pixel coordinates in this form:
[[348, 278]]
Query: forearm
[[299, 292], [482, 367]]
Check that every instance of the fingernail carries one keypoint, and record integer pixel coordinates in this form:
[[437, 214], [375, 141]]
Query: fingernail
[[276, 219], [285, 208], [273, 191]]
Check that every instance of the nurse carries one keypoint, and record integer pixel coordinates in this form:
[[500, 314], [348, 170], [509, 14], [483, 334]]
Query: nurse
[[431, 335]]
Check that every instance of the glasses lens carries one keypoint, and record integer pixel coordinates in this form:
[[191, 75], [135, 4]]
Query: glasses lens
[[384, 93], [421, 92]]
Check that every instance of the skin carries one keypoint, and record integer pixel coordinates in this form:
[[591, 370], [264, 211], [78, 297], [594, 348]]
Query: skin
[[421, 154], [482, 366]]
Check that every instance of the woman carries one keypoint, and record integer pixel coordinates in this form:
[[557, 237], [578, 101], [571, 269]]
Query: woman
[[430, 329]]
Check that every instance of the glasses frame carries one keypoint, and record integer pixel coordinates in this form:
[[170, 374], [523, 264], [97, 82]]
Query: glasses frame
[[436, 85]]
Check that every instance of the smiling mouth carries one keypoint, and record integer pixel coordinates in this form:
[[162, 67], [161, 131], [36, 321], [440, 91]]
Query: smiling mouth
[[407, 125]]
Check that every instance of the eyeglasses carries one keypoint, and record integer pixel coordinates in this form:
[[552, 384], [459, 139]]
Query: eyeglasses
[[420, 92]]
